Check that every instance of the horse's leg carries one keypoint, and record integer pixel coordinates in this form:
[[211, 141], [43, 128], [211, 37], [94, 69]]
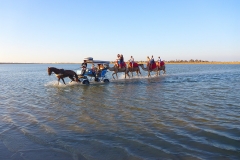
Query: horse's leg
[[71, 77], [63, 81], [58, 80], [113, 76]]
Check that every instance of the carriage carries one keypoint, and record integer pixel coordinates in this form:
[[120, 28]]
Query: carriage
[[98, 74]]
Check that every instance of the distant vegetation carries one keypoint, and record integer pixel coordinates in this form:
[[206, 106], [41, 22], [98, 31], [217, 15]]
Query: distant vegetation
[[175, 61], [185, 61], [191, 61]]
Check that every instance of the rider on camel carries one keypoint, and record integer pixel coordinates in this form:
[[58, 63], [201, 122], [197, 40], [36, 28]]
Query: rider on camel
[[159, 61], [148, 61], [121, 61], [118, 60], [151, 62], [131, 60]]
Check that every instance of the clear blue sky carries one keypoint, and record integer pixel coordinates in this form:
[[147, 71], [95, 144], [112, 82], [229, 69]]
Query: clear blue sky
[[67, 31]]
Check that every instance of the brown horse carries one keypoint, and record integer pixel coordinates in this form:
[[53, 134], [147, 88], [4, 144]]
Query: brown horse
[[61, 73]]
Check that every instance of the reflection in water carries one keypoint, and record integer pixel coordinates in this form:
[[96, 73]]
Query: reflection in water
[[190, 113]]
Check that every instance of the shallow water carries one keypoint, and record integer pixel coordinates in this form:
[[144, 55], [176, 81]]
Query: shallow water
[[192, 112]]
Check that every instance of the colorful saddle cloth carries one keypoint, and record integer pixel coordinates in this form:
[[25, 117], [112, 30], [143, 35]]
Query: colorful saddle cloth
[[154, 65], [161, 64], [134, 64], [122, 65]]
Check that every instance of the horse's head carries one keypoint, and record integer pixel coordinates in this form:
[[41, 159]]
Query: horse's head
[[49, 71]]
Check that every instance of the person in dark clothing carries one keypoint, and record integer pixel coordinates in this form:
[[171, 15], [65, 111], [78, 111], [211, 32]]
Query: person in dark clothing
[[84, 63], [121, 60], [84, 67], [94, 72]]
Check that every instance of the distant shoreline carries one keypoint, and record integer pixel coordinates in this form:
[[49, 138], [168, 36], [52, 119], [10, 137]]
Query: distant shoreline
[[141, 62], [166, 62], [202, 62]]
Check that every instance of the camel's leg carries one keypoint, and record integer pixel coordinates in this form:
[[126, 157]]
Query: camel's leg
[[127, 74], [139, 72]]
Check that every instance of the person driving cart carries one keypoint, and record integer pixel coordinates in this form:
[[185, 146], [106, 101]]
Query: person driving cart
[[84, 66], [94, 72]]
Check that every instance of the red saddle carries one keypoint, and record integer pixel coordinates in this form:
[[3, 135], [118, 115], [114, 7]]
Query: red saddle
[[161, 64], [154, 65], [122, 65], [134, 64]]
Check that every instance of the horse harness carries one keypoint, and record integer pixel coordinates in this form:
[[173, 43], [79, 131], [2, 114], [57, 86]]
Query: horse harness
[[61, 73]]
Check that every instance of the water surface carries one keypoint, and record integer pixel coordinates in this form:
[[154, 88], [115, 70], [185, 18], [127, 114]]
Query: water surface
[[192, 112]]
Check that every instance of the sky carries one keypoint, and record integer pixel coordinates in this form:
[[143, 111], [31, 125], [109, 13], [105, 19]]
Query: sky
[[48, 31]]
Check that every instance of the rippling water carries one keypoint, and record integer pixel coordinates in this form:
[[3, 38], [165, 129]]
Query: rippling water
[[192, 112]]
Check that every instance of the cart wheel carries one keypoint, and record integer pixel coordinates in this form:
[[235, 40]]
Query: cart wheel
[[85, 82], [106, 80]]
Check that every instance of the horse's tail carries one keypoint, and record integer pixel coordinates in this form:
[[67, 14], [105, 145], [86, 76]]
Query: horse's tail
[[76, 77]]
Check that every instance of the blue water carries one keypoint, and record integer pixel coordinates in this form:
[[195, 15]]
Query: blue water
[[191, 112]]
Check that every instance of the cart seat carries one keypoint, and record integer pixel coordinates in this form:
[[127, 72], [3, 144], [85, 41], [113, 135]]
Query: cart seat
[[104, 71]]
